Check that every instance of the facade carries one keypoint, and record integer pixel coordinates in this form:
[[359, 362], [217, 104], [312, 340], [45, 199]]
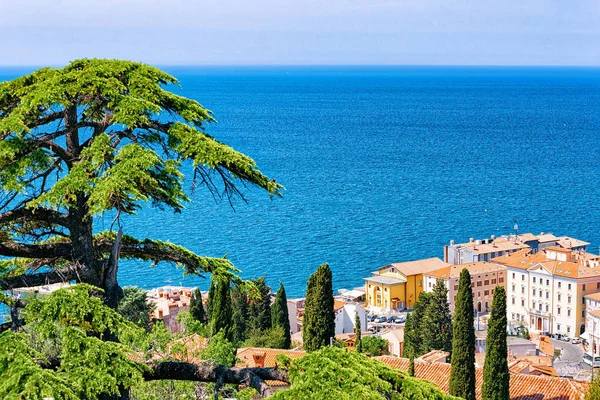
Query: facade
[[592, 322], [296, 314], [487, 249], [345, 316], [170, 301], [395, 338], [546, 289], [398, 285], [485, 277]]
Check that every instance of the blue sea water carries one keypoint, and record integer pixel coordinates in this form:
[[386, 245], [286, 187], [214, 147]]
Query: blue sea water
[[384, 164]]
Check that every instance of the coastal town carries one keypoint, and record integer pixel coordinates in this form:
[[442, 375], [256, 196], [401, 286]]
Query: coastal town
[[552, 286]]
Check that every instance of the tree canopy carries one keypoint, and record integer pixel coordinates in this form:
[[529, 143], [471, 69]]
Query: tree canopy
[[318, 327], [496, 378], [102, 137]]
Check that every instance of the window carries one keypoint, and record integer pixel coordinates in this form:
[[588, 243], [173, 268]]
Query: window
[[558, 310], [513, 301], [534, 292], [584, 286], [478, 283], [559, 284], [429, 283], [455, 287], [486, 292], [568, 329], [547, 295], [558, 327], [533, 305], [493, 281], [514, 276], [568, 313], [598, 285], [534, 279], [569, 299], [501, 279], [540, 306], [547, 282], [514, 288], [569, 287], [522, 302], [547, 308], [523, 290], [583, 313], [583, 300], [486, 282], [472, 284], [385, 289], [559, 297], [479, 293], [522, 277]]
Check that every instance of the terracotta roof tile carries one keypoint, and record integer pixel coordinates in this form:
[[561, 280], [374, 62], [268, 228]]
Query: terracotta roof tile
[[522, 387], [246, 356]]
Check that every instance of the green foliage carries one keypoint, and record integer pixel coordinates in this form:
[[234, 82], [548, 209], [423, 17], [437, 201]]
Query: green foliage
[[164, 390], [189, 325], [593, 392], [319, 319], [280, 316], [221, 313], [135, 307], [197, 307], [259, 309], [69, 328], [358, 342], [408, 349], [333, 373], [273, 338], [239, 301], [462, 374], [495, 371], [219, 351], [374, 345], [413, 331], [436, 327]]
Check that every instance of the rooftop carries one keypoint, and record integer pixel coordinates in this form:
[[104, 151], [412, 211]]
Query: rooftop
[[453, 271], [385, 280], [569, 243], [416, 267], [522, 387], [246, 356], [577, 268]]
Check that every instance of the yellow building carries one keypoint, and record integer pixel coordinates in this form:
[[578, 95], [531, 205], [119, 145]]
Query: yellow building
[[398, 285]]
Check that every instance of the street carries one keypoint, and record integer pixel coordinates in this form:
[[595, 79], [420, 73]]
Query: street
[[570, 363]]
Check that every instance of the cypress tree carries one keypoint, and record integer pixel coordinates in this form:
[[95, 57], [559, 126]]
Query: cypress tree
[[462, 373], [209, 300], [259, 309], [418, 315], [358, 342], [436, 328], [239, 305], [221, 313], [280, 316], [408, 349], [319, 319], [495, 370], [196, 306], [411, 366]]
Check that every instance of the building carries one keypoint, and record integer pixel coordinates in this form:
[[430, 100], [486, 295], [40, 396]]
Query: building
[[489, 248], [395, 338], [592, 322], [170, 301], [256, 357], [398, 285], [296, 314], [485, 277], [546, 289], [345, 317], [521, 386]]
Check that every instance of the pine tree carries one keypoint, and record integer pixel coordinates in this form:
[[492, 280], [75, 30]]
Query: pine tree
[[209, 300], [462, 373], [416, 331], [319, 319], [196, 306], [411, 366], [436, 328], [495, 371], [408, 349], [280, 316], [239, 305], [358, 342], [259, 309], [221, 313]]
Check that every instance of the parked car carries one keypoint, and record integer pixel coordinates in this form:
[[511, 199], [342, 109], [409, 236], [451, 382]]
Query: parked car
[[587, 358], [390, 319], [576, 341], [566, 339], [380, 319], [400, 319], [545, 334], [371, 317]]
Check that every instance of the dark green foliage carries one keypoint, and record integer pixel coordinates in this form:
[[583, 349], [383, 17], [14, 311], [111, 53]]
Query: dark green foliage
[[413, 336], [334, 373], [280, 316], [135, 307], [319, 319], [259, 309], [593, 392], [495, 371], [462, 375], [273, 338], [358, 342], [221, 313], [220, 350], [209, 300], [239, 301], [197, 307], [411, 366], [408, 349], [436, 327], [374, 345]]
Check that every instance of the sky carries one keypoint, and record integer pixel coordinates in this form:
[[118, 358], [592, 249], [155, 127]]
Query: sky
[[283, 32]]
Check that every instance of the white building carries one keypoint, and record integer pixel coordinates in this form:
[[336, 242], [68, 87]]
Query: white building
[[545, 289], [345, 316], [296, 314]]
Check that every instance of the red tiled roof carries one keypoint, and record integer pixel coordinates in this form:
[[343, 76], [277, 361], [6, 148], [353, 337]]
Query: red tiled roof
[[522, 387], [246, 356]]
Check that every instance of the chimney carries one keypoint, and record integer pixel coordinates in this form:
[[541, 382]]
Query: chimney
[[259, 359]]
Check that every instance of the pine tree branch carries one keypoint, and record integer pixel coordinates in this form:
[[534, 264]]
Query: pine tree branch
[[37, 214], [42, 278], [11, 248], [253, 377]]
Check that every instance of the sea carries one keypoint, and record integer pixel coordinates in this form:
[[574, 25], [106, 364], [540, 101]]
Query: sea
[[381, 164]]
